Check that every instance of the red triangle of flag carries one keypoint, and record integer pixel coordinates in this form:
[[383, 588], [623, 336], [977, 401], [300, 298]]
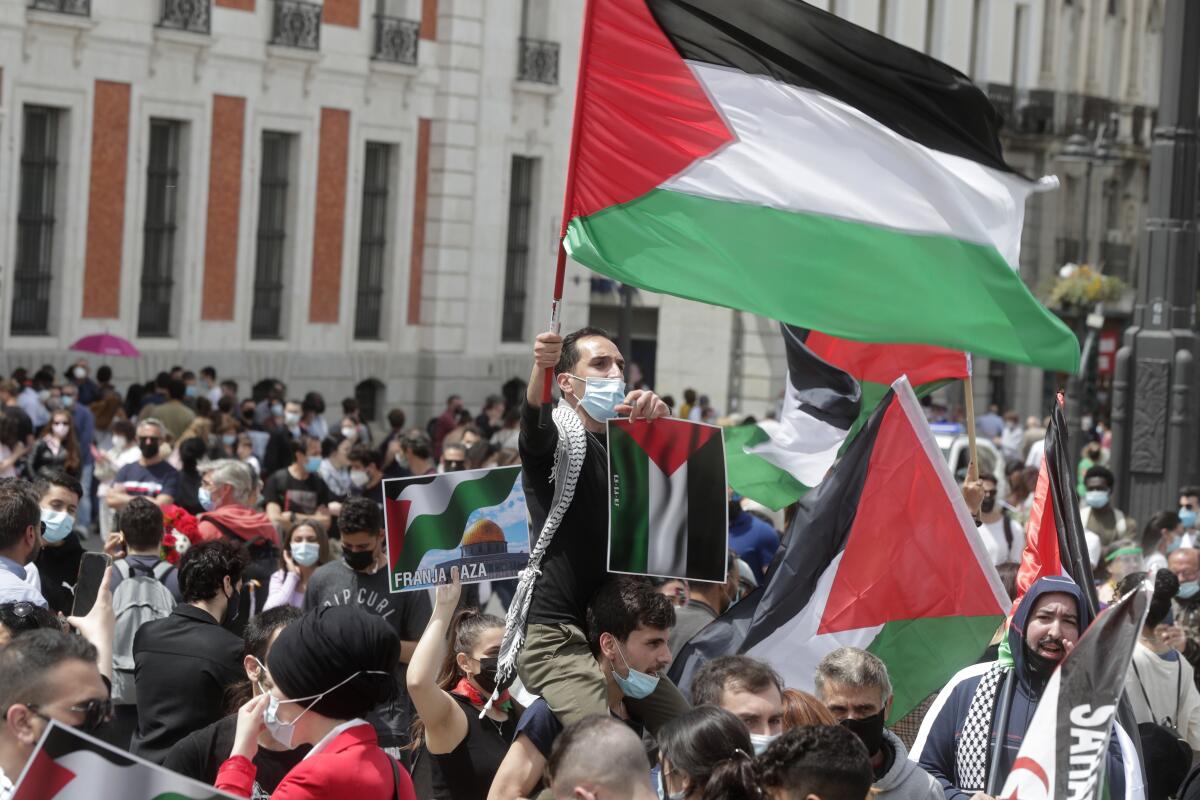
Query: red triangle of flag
[[45, 778], [634, 82], [668, 442], [907, 555]]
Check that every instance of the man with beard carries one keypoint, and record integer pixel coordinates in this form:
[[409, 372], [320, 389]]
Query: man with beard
[[1003, 538], [958, 736]]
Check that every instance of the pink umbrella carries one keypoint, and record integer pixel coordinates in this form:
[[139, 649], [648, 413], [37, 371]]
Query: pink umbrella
[[106, 344]]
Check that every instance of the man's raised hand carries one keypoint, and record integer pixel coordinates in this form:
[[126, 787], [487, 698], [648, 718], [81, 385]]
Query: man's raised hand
[[643, 404], [546, 350]]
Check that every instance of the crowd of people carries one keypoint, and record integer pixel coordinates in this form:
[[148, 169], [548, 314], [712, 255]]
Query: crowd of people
[[245, 635]]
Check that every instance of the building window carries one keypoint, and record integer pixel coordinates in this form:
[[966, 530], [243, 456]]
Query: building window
[[372, 242], [537, 57], [35, 222], [1019, 74], [369, 396], [516, 266], [80, 8], [266, 320], [158, 261]]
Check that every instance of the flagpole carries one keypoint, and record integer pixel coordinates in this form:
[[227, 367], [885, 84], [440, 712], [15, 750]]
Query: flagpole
[[994, 784], [568, 208], [969, 392]]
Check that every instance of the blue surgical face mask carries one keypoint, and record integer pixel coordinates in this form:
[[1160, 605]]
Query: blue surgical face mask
[[638, 685], [601, 397], [229, 439], [189, 391], [1097, 498], [1188, 517], [67, 401], [313, 464], [305, 553], [1188, 590], [59, 525], [205, 498], [762, 741]]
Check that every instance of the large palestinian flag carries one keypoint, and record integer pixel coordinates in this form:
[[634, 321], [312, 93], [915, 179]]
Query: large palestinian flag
[[832, 387], [1065, 749], [767, 156], [883, 555], [668, 514], [430, 514], [71, 765]]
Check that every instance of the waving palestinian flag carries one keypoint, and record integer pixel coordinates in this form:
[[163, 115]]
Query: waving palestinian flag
[[70, 765], [883, 555], [832, 387], [767, 156]]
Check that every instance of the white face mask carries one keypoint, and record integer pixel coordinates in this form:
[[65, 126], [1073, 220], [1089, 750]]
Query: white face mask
[[762, 741], [359, 477], [284, 732], [119, 442], [350, 433], [60, 429]]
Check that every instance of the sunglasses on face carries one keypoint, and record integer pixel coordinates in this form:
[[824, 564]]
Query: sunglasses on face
[[95, 712]]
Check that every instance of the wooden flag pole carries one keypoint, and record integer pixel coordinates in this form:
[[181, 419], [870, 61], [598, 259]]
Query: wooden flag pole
[[568, 209], [973, 466]]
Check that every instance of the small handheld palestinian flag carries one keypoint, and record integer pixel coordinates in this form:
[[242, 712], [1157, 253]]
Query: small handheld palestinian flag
[[70, 765], [888, 510], [474, 520], [774, 158], [1065, 749], [668, 505], [832, 387]]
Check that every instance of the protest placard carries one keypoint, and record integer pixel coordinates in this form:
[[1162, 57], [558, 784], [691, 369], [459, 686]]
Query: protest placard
[[474, 520]]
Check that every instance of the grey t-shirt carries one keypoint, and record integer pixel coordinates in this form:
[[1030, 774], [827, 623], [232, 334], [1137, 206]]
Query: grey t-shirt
[[689, 621]]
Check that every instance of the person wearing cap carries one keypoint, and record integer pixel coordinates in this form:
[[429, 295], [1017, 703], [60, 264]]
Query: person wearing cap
[[327, 670]]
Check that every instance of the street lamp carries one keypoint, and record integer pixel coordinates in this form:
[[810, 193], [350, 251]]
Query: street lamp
[[1078, 149]]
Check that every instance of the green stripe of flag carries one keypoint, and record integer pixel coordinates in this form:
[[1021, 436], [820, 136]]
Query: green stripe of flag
[[922, 655], [629, 503], [808, 270], [445, 531]]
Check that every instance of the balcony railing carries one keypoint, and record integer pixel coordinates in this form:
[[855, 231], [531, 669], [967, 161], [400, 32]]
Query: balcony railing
[[297, 24], [396, 39], [193, 16], [538, 61], [80, 8]]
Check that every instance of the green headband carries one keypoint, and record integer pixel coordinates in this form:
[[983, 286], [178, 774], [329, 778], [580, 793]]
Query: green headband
[[1123, 551]]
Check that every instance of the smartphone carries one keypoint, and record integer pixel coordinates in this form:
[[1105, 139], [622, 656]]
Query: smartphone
[[87, 584]]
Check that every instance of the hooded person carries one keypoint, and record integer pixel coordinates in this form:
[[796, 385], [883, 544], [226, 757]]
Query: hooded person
[[958, 735], [327, 670]]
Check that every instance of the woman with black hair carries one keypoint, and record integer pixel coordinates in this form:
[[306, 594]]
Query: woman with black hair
[[705, 754], [449, 687], [326, 671], [191, 452]]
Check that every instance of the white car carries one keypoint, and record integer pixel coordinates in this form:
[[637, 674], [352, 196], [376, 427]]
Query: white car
[[955, 447]]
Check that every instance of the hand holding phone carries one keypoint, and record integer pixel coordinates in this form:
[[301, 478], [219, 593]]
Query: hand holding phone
[[87, 585]]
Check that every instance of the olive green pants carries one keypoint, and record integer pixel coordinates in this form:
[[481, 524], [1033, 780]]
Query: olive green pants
[[557, 664]]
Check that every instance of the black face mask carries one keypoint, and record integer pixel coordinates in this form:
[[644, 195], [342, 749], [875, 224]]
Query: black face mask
[[232, 609], [1039, 665], [989, 503], [486, 677], [359, 560], [869, 730], [453, 466], [149, 447]]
